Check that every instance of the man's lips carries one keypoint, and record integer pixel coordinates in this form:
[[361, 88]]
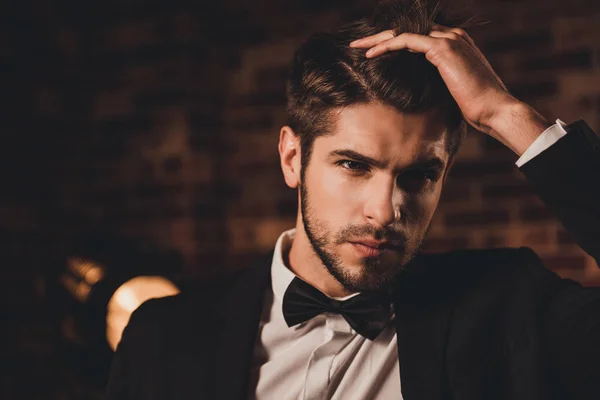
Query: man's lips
[[380, 245]]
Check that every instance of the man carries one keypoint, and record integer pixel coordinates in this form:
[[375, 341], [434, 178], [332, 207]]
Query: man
[[346, 307]]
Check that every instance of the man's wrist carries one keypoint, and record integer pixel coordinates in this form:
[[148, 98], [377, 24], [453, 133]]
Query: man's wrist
[[517, 126]]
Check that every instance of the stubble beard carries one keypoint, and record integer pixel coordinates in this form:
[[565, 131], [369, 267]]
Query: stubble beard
[[376, 274]]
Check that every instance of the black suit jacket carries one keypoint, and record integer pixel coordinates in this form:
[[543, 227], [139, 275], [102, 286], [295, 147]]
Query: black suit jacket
[[483, 324]]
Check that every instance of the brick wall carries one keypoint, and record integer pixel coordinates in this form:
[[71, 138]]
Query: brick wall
[[159, 121], [548, 56]]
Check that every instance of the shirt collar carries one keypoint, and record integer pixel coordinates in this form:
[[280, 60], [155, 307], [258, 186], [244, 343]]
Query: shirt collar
[[281, 275]]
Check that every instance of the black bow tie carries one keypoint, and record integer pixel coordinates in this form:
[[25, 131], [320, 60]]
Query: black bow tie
[[367, 314]]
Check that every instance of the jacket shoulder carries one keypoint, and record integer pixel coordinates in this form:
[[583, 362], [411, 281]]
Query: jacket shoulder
[[199, 299], [478, 272], [475, 262]]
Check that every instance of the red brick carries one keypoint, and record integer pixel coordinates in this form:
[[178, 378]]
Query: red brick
[[257, 120], [537, 236], [456, 192], [480, 169], [495, 241], [477, 218], [522, 41], [529, 90], [508, 191], [262, 99], [564, 262], [441, 244], [559, 62], [537, 213], [564, 237]]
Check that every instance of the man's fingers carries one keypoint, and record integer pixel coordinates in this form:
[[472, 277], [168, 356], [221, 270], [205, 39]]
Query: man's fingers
[[459, 32], [443, 28], [386, 36], [373, 40], [385, 42], [446, 35], [410, 41]]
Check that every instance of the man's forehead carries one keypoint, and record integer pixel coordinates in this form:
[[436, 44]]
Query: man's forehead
[[380, 129], [377, 118]]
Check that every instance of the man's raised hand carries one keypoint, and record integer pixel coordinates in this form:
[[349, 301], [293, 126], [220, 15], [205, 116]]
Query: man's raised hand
[[478, 91]]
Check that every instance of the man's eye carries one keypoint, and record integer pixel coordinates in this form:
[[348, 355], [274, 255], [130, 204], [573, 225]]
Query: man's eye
[[415, 180], [353, 165]]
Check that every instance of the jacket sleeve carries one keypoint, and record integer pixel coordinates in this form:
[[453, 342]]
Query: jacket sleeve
[[567, 178], [570, 329], [116, 388], [124, 382]]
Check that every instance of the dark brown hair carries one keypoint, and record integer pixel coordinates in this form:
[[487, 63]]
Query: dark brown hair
[[327, 74]]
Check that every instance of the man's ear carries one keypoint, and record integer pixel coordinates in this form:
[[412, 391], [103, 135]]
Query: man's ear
[[289, 155]]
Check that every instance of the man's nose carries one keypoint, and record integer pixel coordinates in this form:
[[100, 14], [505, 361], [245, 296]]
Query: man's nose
[[383, 206]]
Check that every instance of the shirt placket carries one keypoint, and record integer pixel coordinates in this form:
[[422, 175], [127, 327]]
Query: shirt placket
[[337, 333]]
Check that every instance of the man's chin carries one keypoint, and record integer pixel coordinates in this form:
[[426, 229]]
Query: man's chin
[[368, 274], [366, 281]]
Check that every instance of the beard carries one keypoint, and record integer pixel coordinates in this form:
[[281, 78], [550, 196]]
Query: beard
[[377, 273]]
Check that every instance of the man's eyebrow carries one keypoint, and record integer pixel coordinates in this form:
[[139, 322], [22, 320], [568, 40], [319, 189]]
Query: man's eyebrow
[[429, 163], [355, 156], [433, 162]]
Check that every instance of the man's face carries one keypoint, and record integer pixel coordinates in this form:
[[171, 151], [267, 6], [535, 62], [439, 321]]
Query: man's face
[[370, 190]]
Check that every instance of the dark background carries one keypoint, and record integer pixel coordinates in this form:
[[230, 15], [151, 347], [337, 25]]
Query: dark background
[[157, 121]]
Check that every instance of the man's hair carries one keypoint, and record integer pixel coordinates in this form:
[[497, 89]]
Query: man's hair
[[327, 74]]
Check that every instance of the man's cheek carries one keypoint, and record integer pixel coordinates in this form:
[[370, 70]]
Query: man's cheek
[[418, 210], [333, 187]]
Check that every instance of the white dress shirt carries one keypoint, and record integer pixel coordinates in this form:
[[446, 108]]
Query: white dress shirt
[[324, 358], [545, 140]]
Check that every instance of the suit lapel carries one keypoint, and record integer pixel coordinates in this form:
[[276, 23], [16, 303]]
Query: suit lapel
[[422, 321], [237, 326]]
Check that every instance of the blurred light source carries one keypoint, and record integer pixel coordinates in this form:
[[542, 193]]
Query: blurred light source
[[128, 297], [81, 276], [104, 281]]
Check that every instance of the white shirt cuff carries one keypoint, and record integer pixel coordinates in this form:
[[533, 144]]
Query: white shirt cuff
[[544, 141]]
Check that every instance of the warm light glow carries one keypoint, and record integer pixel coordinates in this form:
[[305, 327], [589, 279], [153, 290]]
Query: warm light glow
[[87, 270], [128, 297], [93, 275], [80, 290]]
